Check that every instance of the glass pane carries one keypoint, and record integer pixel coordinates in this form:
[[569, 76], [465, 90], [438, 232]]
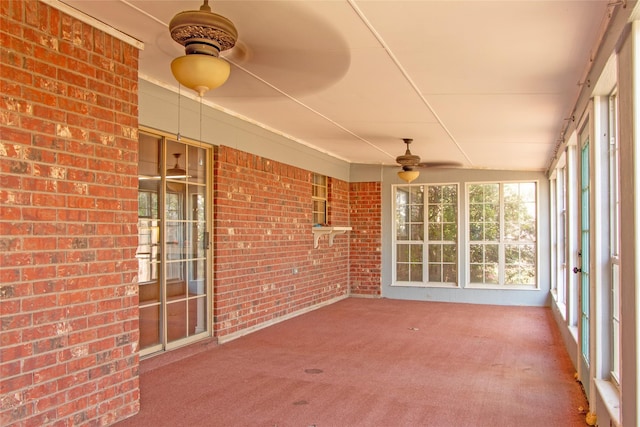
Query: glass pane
[[450, 194], [511, 274], [449, 273], [511, 231], [402, 196], [175, 201], [519, 275], [450, 232], [197, 316], [175, 165], [435, 213], [435, 273], [435, 253], [475, 194], [175, 240], [148, 293], [435, 194], [491, 253], [491, 232], [176, 288], [416, 272], [476, 231], [402, 232], [198, 233], [528, 254], [528, 229], [197, 206], [449, 253], [402, 214], [197, 166], [148, 251], [492, 213], [491, 193], [435, 231], [320, 192], [449, 213], [176, 320], [476, 274], [149, 326], [476, 253], [417, 195], [476, 213], [417, 231], [149, 157], [417, 213], [403, 253], [402, 272], [511, 254], [416, 253], [320, 179], [197, 277], [491, 274]]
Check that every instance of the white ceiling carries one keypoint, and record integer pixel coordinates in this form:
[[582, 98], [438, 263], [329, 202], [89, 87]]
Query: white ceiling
[[484, 83]]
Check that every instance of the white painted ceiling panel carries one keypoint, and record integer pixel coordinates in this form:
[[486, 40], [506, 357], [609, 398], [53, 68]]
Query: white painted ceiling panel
[[484, 83]]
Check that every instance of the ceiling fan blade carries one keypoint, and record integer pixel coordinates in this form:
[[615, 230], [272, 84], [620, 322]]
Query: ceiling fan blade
[[443, 164]]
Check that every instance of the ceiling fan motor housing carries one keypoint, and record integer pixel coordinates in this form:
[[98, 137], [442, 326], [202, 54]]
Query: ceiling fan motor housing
[[408, 160], [202, 31]]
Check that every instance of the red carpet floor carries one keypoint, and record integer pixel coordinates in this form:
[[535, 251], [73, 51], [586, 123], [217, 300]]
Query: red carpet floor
[[366, 362]]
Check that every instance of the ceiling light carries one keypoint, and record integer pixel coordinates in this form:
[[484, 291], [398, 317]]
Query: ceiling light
[[204, 35], [408, 175]]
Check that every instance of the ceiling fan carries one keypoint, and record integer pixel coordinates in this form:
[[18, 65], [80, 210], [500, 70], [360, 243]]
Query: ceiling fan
[[215, 51], [410, 163], [204, 35]]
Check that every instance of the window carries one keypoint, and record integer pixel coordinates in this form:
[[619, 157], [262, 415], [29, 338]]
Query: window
[[614, 232], [561, 236], [319, 197], [426, 235], [502, 221]]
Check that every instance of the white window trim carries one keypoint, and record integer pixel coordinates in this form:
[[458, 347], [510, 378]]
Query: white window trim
[[467, 282], [424, 284]]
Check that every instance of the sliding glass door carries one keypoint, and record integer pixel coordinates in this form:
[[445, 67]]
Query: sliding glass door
[[173, 247]]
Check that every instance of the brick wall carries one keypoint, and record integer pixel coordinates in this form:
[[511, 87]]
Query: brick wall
[[265, 264], [68, 200], [366, 238]]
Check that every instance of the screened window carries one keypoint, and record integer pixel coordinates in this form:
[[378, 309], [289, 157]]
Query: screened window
[[502, 222], [426, 234]]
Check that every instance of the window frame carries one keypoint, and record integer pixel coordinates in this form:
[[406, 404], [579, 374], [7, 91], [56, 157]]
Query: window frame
[[502, 242], [614, 238], [318, 215], [559, 238], [424, 243]]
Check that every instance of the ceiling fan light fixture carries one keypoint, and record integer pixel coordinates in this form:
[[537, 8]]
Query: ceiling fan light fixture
[[408, 175], [200, 72], [204, 35]]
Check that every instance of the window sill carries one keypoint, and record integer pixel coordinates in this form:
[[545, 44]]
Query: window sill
[[574, 332], [425, 285], [327, 231], [503, 287], [610, 398]]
